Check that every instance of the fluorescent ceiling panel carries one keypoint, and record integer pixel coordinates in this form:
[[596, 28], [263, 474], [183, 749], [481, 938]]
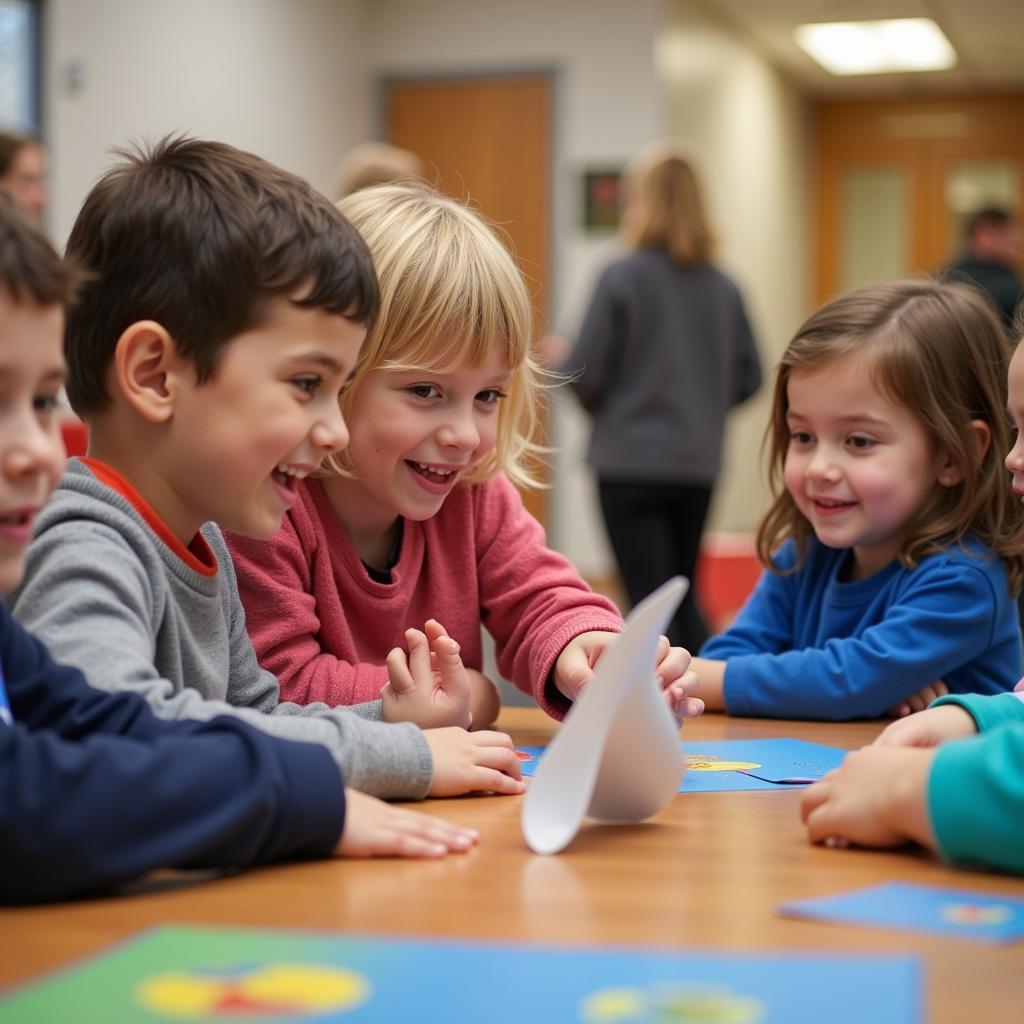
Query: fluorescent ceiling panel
[[877, 47]]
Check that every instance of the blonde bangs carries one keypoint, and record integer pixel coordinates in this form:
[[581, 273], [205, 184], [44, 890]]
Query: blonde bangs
[[451, 296]]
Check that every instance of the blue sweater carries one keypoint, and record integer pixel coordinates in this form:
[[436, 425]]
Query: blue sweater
[[95, 790], [806, 645]]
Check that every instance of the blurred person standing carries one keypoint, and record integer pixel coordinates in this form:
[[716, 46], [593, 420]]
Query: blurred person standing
[[665, 351], [23, 172], [991, 259], [376, 163]]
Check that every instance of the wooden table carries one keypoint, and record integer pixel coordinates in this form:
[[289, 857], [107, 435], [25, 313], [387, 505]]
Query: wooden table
[[706, 873]]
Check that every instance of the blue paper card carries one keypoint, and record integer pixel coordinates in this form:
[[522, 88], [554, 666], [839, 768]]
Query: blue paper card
[[906, 906], [731, 765], [222, 974]]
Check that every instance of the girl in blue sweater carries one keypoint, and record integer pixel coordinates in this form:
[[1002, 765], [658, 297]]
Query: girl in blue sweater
[[950, 778], [893, 549]]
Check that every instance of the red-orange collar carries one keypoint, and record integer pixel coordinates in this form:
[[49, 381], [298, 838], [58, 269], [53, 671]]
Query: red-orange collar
[[198, 555]]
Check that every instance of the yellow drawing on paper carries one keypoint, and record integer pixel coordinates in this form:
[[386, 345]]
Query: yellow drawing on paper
[[253, 992], [669, 1003], [976, 913], [715, 763]]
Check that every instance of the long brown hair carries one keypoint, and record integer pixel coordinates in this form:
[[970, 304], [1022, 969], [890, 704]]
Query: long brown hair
[[664, 208], [938, 349]]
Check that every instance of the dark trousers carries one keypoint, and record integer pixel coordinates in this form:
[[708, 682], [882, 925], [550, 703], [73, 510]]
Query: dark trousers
[[655, 531]]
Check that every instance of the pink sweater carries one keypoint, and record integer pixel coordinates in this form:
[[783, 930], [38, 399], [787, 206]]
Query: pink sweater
[[323, 627]]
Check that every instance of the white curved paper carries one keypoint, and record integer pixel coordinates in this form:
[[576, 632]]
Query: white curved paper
[[617, 756]]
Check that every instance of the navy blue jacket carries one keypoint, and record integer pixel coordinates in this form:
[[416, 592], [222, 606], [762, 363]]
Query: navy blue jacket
[[95, 790]]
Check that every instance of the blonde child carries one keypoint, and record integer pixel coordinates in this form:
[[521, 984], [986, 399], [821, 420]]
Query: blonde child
[[419, 518], [893, 551], [963, 798]]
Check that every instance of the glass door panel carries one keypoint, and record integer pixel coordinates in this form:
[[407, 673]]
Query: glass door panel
[[874, 225]]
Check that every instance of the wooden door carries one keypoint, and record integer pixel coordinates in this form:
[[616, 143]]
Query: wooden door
[[897, 179], [487, 140]]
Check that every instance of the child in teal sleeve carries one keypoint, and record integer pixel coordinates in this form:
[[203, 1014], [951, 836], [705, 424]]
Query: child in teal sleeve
[[951, 777], [893, 549]]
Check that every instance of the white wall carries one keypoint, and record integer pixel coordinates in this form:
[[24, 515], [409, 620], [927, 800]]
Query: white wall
[[706, 87], [295, 81], [751, 129], [283, 78], [609, 104]]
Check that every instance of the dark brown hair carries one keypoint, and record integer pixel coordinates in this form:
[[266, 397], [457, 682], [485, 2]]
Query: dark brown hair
[[201, 237], [939, 350], [988, 217], [30, 270]]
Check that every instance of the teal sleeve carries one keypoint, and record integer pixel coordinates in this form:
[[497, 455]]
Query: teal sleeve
[[976, 798], [988, 711]]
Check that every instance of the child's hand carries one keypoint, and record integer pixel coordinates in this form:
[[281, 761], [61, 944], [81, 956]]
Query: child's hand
[[471, 762], [576, 663], [928, 728], [376, 829], [678, 683], [918, 701], [876, 798], [484, 700], [429, 688]]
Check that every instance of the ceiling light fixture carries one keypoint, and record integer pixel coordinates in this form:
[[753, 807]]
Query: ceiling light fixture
[[877, 47]]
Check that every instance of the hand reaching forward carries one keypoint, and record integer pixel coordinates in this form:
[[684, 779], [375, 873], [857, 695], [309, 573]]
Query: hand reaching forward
[[918, 701], [376, 829], [472, 762], [877, 797], [928, 728], [575, 667], [430, 687]]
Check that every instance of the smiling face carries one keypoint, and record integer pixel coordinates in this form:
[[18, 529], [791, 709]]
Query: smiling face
[[414, 435], [1015, 404], [859, 466], [31, 450], [266, 418]]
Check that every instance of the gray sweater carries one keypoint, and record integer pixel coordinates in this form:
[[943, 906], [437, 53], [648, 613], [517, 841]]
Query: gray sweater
[[105, 594], [664, 353]]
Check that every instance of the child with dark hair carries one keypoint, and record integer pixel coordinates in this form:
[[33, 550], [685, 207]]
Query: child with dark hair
[[93, 788], [224, 310]]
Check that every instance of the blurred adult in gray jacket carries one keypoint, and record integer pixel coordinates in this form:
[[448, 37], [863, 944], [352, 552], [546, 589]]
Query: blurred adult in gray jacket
[[665, 351]]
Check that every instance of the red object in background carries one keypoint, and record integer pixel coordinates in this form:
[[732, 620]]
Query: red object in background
[[76, 437], [727, 571]]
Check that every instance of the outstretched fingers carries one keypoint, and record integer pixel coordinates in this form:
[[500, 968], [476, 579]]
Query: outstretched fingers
[[376, 829], [497, 768], [419, 657], [446, 659], [399, 677]]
